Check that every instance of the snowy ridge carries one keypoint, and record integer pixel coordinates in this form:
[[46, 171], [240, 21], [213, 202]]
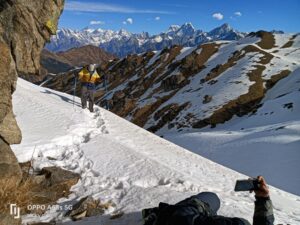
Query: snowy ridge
[[121, 162]]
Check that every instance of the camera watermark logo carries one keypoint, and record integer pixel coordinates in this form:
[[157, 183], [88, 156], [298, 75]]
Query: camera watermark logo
[[15, 211]]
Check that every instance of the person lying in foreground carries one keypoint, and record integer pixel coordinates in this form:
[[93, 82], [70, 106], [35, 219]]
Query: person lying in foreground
[[201, 209]]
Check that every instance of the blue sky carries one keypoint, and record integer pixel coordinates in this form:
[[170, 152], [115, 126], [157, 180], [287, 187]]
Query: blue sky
[[157, 15]]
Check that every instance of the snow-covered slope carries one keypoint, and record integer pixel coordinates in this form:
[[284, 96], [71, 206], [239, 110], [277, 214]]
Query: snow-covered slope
[[122, 43], [265, 142], [121, 162]]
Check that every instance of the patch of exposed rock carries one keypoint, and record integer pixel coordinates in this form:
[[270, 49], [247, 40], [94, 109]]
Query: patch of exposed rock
[[87, 207]]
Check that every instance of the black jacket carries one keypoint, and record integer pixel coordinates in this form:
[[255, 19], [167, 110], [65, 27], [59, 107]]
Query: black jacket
[[196, 212]]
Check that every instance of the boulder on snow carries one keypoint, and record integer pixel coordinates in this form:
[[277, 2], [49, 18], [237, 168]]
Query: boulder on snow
[[56, 175], [54, 183], [86, 207], [207, 99]]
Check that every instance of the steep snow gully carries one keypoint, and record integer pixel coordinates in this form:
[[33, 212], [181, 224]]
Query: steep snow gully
[[122, 163]]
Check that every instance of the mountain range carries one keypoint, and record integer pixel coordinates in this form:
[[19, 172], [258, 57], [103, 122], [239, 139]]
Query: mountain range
[[122, 42], [192, 87]]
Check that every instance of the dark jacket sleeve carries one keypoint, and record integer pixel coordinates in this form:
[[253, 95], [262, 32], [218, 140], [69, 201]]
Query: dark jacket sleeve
[[263, 213], [221, 220]]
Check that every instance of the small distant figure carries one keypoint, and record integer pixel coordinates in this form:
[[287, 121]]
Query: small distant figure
[[88, 77], [201, 209]]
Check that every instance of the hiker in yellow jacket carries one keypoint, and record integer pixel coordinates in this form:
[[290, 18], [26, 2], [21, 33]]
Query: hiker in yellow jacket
[[88, 77]]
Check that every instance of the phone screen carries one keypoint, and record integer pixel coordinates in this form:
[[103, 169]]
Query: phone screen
[[244, 185]]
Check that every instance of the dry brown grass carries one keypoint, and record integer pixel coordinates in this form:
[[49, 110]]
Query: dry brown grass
[[265, 59], [141, 115], [164, 61], [12, 194], [267, 40], [124, 70], [219, 69], [277, 77], [244, 103], [167, 114], [290, 42], [32, 190], [194, 63], [127, 106], [240, 106]]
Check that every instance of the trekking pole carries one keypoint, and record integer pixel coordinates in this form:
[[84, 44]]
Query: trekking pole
[[105, 86], [75, 84]]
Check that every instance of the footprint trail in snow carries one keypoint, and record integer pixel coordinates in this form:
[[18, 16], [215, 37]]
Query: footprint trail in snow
[[121, 162]]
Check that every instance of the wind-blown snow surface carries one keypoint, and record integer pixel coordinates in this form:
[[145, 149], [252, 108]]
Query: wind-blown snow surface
[[123, 163]]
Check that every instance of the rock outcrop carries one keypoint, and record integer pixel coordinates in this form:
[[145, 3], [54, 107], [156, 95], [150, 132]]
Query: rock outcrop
[[25, 26], [86, 207]]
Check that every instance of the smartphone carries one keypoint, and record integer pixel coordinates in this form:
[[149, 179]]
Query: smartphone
[[246, 185]]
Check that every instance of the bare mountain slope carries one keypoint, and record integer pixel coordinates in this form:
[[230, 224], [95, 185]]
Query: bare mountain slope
[[53, 63], [182, 88], [86, 55]]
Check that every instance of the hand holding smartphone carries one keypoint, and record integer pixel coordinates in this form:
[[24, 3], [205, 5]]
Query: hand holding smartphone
[[247, 185]]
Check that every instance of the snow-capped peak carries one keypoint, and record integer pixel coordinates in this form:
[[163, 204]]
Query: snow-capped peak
[[186, 29], [88, 30], [65, 31], [225, 28], [99, 30], [173, 28], [116, 42], [188, 25], [124, 32]]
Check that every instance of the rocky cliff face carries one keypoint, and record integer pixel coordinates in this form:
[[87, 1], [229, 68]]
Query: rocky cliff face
[[25, 26], [183, 88]]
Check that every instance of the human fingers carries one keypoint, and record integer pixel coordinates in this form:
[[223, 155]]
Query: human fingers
[[261, 180]]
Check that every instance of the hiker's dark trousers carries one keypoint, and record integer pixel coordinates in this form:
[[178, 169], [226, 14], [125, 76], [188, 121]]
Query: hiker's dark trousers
[[87, 94]]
